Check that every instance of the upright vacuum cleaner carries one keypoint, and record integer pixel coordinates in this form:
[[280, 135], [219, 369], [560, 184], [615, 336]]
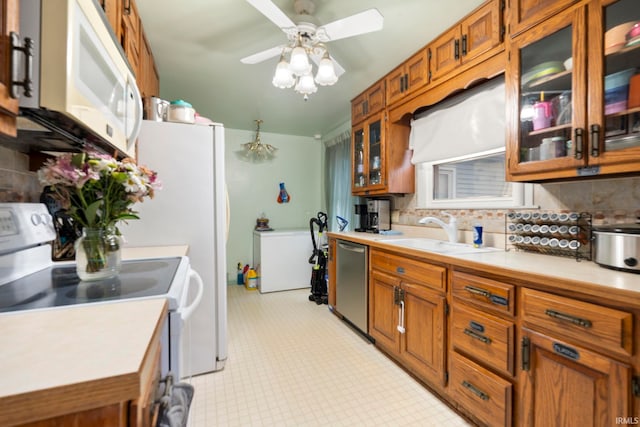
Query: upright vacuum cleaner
[[319, 260]]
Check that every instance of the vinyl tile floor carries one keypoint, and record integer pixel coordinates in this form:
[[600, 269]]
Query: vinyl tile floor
[[293, 363]]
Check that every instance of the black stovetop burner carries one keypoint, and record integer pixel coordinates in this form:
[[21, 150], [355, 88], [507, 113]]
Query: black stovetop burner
[[59, 285]]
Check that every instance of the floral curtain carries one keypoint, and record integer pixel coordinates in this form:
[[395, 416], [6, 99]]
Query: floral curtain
[[338, 181]]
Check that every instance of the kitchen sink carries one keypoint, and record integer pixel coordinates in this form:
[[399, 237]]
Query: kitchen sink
[[438, 246]]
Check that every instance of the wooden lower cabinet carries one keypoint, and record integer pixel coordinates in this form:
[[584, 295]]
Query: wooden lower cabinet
[[422, 344], [407, 319], [565, 385], [513, 353], [383, 311], [483, 394]]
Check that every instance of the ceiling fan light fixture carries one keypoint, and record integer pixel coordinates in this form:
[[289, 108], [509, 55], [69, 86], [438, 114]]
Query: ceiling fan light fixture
[[299, 62], [305, 85], [283, 78], [326, 75]]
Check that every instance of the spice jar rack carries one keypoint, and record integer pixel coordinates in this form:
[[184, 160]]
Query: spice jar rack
[[550, 233]]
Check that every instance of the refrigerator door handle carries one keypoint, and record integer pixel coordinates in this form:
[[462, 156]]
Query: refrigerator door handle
[[186, 312]]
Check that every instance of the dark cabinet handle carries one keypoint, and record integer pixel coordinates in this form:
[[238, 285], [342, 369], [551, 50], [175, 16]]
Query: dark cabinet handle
[[595, 140], [568, 318], [477, 336], [127, 7], [464, 45], [475, 390], [456, 49], [578, 133], [27, 51]]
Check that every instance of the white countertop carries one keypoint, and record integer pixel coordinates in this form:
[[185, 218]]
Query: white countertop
[[583, 275], [64, 360]]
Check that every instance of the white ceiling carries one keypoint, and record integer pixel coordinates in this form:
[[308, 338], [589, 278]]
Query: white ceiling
[[198, 44]]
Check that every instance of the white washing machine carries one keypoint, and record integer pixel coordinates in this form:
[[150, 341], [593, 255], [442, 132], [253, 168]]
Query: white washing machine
[[282, 259]]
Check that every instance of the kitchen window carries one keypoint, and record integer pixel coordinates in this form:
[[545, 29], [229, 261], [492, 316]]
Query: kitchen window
[[472, 181], [459, 152]]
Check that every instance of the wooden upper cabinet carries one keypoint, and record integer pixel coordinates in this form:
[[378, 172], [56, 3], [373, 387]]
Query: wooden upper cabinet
[[411, 75], [8, 106], [130, 37], [445, 53], [474, 35], [114, 15], [148, 80], [591, 128], [127, 26], [368, 103], [524, 14]]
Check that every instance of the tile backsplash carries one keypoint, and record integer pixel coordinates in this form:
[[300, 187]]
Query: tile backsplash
[[608, 200], [17, 183]]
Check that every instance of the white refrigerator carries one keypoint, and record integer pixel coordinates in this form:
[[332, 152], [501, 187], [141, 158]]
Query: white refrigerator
[[191, 208]]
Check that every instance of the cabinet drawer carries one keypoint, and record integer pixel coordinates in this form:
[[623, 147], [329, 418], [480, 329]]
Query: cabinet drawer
[[483, 337], [408, 269], [488, 293], [482, 393], [591, 324]]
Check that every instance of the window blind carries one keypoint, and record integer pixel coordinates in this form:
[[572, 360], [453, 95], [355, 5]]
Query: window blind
[[469, 123]]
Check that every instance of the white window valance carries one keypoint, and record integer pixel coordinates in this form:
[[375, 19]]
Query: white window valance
[[469, 123]]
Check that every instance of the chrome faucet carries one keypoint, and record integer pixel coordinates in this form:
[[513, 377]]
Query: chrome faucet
[[451, 229]]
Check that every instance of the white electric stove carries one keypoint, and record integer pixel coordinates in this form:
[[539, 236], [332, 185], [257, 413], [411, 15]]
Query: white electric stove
[[30, 280]]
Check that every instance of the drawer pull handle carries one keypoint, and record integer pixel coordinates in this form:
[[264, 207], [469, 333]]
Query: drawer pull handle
[[568, 318], [400, 270], [493, 299], [478, 291], [477, 336], [475, 390]]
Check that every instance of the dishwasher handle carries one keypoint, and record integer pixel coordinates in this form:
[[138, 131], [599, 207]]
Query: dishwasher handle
[[358, 249]]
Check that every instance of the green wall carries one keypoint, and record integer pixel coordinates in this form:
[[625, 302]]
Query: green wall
[[253, 188]]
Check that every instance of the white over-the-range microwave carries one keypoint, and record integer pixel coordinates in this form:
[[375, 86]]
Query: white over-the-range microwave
[[74, 85]]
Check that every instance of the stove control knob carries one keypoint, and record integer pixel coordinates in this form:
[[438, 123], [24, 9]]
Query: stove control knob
[[631, 262], [45, 218], [36, 219]]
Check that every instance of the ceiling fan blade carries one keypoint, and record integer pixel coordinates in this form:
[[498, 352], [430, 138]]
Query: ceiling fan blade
[[337, 67], [262, 56], [364, 22], [272, 12]]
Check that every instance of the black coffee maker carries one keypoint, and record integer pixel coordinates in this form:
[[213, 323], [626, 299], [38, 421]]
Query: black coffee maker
[[362, 216]]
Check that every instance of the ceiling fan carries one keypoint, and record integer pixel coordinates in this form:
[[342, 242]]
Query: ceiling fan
[[308, 40]]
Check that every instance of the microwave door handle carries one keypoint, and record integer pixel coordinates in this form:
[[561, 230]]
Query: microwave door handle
[[138, 116], [186, 312]]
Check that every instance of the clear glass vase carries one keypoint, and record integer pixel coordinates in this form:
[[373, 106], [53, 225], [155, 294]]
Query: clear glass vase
[[98, 254]]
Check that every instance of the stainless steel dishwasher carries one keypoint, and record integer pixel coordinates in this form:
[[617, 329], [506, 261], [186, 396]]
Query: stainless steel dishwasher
[[351, 283]]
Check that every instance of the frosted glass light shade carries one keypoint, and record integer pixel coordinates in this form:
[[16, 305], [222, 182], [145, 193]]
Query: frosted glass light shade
[[305, 85], [326, 75], [299, 61], [283, 78]]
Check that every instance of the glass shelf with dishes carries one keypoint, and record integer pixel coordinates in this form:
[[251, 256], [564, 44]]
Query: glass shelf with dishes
[[546, 98]]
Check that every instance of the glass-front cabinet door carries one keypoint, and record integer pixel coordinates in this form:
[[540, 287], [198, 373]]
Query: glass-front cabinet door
[[614, 87], [368, 156], [358, 153], [546, 98], [573, 91], [375, 153]]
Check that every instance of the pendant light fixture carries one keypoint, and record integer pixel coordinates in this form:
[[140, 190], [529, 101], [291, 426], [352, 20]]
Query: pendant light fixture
[[256, 150]]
